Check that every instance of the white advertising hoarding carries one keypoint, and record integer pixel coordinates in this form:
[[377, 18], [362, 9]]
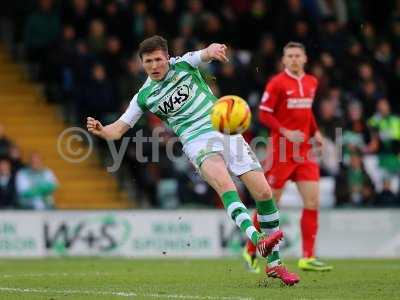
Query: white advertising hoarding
[[21, 234], [188, 233], [137, 233]]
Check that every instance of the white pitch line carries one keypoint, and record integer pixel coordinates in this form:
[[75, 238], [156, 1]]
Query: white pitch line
[[11, 275], [116, 293]]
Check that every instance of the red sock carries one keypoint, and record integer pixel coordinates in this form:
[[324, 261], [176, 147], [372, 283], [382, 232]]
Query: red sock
[[251, 248], [309, 228]]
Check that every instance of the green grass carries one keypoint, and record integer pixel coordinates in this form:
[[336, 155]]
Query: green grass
[[102, 278]]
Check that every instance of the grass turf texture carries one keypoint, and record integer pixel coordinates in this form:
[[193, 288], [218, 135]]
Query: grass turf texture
[[118, 278]]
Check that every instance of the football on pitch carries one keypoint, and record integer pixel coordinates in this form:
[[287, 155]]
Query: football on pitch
[[230, 115]]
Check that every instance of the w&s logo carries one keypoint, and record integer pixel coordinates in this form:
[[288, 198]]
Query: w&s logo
[[175, 100]]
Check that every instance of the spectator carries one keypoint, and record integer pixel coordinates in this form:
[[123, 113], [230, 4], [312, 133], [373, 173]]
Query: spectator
[[65, 56], [193, 16], [353, 185], [4, 143], [259, 16], [386, 126], [40, 34], [116, 21], [302, 33], [396, 85], [356, 136], [333, 38], [286, 17], [138, 16], [112, 57], [131, 80], [98, 97], [336, 9], [79, 15], [16, 159], [354, 56], [150, 26], [7, 185], [330, 66], [387, 198], [369, 95], [97, 37], [263, 62], [368, 36], [328, 124], [168, 18], [395, 34], [230, 82], [35, 185]]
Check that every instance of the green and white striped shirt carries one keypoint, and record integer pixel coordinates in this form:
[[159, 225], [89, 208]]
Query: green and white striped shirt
[[182, 99]]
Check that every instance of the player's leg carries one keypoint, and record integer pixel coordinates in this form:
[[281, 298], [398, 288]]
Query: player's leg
[[307, 181], [277, 193], [268, 217], [214, 171], [267, 212], [250, 251]]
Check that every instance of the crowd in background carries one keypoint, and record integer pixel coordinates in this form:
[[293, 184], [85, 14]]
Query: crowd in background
[[24, 185], [85, 54]]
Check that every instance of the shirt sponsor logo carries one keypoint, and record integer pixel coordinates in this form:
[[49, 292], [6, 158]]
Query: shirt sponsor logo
[[297, 103], [175, 100]]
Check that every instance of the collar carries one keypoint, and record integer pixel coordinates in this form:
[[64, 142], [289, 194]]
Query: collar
[[294, 76]]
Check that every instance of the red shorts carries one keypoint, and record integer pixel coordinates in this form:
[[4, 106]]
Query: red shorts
[[281, 172]]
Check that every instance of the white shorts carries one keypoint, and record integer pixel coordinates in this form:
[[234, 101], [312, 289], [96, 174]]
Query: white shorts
[[237, 154]]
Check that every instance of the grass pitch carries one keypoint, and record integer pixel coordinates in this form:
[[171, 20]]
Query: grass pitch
[[225, 279]]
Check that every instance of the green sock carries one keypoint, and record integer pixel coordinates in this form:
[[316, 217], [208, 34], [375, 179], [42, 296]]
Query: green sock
[[268, 217], [239, 214]]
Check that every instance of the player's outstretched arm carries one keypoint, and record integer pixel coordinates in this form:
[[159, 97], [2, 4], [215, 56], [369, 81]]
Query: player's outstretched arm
[[112, 131], [214, 52]]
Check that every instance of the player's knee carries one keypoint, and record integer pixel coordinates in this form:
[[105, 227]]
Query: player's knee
[[223, 184], [263, 193], [312, 203]]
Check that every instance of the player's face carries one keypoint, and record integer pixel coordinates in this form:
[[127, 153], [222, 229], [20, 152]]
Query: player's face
[[294, 60], [155, 64]]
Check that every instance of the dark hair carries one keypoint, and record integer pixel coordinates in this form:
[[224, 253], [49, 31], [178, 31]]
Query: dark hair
[[294, 45], [153, 43]]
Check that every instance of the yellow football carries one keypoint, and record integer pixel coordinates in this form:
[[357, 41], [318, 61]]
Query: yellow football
[[230, 115]]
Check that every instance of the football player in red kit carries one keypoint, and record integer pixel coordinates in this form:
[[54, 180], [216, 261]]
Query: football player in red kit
[[286, 109]]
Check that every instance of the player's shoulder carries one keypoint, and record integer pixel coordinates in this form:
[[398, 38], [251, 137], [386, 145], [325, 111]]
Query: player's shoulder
[[145, 90], [278, 77], [183, 62], [311, 78]]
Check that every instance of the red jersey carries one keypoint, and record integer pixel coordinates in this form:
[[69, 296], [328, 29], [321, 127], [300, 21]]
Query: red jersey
[[289, 99]]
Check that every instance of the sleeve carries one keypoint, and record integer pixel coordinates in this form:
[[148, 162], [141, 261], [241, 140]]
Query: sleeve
[[192, 58], [270, 96], [133, 112], [313, 125], [267, 119]]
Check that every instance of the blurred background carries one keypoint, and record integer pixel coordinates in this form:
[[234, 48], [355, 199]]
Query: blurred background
[[61, 61]]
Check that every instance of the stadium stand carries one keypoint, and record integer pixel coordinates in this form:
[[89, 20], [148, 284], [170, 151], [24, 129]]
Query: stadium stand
[[34, 125]]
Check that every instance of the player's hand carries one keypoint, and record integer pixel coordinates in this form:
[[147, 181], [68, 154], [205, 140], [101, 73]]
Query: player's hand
[[294, 136], [94, 126], [217, 52], [319, 139]]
